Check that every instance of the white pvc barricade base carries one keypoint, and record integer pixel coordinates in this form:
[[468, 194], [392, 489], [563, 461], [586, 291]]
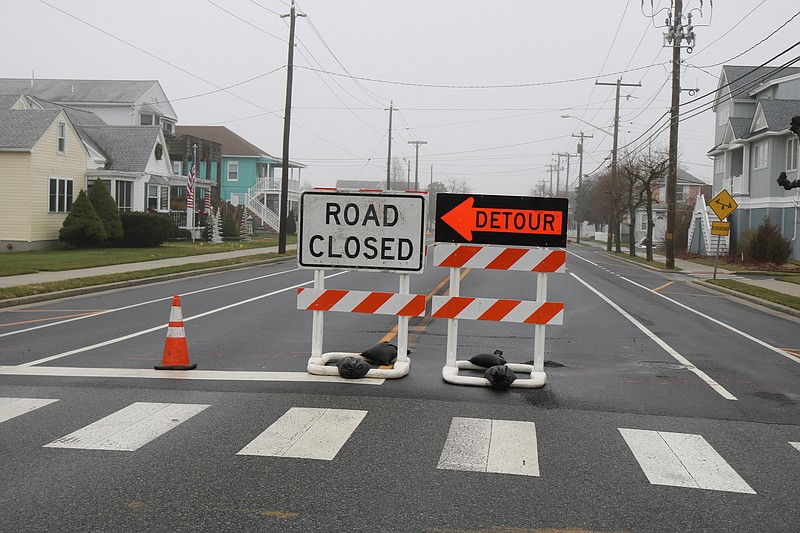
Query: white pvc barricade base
[[319, 366], [536, 380]]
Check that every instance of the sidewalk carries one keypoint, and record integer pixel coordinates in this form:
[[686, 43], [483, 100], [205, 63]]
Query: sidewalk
[[703, 272], [44, 277]]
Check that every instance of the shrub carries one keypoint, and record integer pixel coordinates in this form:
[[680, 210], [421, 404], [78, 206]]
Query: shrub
[[107, 210], [291, 222], [230, 229], [767, 245], [82, 227], [143, 230]]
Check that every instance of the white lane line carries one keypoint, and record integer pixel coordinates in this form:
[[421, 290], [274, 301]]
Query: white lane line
[[164, 326], [698, 313], [132, 306], [14, 407], [682, 460], [494, 446], [306, 433], [130, 428], [796, 445], [666, 347], [201, 375]]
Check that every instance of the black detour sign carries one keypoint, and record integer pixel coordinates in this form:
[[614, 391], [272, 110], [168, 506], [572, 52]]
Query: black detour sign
[[503, 220]]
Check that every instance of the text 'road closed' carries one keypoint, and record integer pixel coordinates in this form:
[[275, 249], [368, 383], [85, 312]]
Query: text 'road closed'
[[362, 231]]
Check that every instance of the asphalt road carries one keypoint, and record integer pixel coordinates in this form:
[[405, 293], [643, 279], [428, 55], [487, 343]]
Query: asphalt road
[[667, 408]]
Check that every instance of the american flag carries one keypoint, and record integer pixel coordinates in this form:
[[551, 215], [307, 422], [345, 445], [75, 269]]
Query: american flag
[[190, 189]]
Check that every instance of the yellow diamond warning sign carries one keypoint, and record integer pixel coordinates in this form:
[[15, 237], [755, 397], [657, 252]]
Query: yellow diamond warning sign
[[723, 204]]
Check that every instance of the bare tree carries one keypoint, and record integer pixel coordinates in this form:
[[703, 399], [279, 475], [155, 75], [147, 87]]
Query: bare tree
[[644, 174], [398, 175], [457, 185], [540, 189]]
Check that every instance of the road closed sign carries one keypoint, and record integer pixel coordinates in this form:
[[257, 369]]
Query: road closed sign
[[503, 220], [362, 231]]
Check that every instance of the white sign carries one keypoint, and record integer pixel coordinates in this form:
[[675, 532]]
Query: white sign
[[362, 231]]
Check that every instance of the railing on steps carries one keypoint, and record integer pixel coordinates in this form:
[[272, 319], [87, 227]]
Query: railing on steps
[[267, 215]]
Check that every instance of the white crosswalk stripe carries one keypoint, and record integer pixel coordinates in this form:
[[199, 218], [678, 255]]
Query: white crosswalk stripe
[[14, 407], [796, 445], [682, 460], [130, 428], [494, 446], [307, 433], [472, 444]]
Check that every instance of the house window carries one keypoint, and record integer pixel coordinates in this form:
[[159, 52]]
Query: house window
[[167, 126], [177, 167], [60, 195], [152, 197], [234, 199], [642, 221], [791, 154], [233, 171], [62, 137], [106, 183], [719, 164], [149, 120], [760, 155], [723, 114], [124, 195]]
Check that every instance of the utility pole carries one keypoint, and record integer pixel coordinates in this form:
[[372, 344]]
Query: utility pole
[[580, 182], [558, 172], [287, 120], [416, 162], [389, 156], [550, 168], [408, 173], [614, 160], [676, 33]]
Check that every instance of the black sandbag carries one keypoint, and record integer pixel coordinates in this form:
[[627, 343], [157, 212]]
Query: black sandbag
[[488, 360], [500, 376], [352, 367], [383, 353]]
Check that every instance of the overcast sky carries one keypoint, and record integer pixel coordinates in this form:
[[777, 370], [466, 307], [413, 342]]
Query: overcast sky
[[484, 83]]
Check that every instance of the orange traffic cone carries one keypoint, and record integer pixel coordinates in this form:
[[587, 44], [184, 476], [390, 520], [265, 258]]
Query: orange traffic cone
[[176, 353]]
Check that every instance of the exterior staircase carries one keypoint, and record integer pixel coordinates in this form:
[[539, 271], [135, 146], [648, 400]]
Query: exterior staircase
[[255, 200], [700, 239]]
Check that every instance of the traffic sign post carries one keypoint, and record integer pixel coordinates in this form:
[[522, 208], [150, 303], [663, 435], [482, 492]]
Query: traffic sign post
[[486, 220], [723, 205], [361, 231]]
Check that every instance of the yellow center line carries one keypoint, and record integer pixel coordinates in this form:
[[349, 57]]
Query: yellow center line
[[47, 319], [391, 334], [87, 311], [667, 284]]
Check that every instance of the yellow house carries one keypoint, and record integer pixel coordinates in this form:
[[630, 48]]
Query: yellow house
[[42, 169]]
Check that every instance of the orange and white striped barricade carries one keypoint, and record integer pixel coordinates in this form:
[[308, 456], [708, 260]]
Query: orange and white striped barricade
[[540, 312], [320, 300]]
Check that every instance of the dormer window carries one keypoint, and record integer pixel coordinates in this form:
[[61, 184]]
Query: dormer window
[[149, 120], [62, 138]]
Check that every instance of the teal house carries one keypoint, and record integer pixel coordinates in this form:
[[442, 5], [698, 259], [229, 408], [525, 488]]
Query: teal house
[[250, 177]]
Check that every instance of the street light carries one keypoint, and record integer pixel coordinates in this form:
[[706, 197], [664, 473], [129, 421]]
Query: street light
[[589, 123], [416, 163]]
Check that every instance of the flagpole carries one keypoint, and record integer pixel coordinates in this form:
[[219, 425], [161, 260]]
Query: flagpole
[[190, 193]]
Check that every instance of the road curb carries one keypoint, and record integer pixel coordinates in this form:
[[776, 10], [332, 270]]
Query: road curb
[[749, 298], [36, 298]]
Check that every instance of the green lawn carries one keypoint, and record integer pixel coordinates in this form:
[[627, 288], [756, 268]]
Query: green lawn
[[16, 263]]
